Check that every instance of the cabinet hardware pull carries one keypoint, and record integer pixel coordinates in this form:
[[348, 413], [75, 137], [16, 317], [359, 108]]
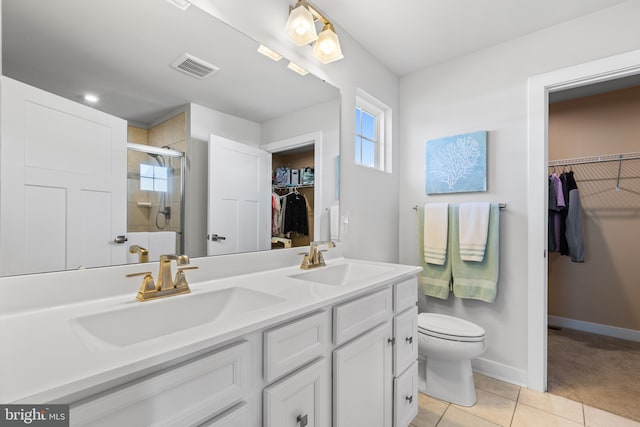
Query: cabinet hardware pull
[[409, 340], [120, 239], [216, 238], [409, 399], [302, 420], [391, 341]]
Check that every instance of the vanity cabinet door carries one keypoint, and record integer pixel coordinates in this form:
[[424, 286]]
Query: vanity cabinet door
[[299, 400], [179, 396], [363, 381], [405, 332], [238, 416], [405, 396]]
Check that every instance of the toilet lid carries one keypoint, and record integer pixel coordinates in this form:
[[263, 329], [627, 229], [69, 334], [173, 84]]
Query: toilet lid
[[449, 327]]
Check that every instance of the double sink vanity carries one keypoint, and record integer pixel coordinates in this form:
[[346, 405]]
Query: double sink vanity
[[257, 342]]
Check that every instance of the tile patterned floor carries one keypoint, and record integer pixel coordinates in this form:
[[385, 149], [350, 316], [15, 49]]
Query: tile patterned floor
[[506, 405]]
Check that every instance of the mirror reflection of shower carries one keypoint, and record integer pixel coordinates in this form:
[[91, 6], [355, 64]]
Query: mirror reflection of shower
[[163, 211], [155, 191]]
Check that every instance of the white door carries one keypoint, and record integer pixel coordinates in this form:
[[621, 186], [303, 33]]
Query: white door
[[63, 183], [239, 214], [363, 381]]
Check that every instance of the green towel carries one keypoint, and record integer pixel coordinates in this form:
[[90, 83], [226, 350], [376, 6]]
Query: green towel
[[476, 279], [435, 279]]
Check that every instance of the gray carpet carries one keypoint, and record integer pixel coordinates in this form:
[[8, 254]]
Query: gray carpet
[[595, 370]]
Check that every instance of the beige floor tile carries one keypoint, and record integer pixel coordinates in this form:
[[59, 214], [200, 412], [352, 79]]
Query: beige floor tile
[[594, 417], [455, 417], [552, 404], [528, 416], [497, 409], [494, 386], [430, 411]]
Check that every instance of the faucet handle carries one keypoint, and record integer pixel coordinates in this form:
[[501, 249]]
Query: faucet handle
[[148, 285], [180, 281]]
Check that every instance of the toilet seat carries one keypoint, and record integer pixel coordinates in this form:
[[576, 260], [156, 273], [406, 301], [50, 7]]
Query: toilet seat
[[449, 328]]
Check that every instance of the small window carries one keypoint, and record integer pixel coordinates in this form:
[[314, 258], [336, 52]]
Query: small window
[[372, 140], [153, 178]]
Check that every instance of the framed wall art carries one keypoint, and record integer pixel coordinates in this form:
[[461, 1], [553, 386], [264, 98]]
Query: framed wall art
[[456, 164]]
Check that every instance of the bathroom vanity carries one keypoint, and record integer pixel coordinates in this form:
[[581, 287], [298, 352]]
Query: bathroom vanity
[[273, 346]]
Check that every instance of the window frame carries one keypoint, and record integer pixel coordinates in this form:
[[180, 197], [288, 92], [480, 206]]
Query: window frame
[[382, 115]]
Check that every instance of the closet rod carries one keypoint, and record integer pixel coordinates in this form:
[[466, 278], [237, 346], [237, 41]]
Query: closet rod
[[595, 159], [502, 206]]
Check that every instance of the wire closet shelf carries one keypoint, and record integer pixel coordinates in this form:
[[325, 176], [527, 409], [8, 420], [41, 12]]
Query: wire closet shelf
[[619, 158]]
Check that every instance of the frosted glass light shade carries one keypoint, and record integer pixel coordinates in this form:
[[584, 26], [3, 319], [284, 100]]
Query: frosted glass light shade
[[300, 27], [327, 48]]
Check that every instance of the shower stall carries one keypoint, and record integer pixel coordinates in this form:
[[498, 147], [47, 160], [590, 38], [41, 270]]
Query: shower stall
[[155, 198]]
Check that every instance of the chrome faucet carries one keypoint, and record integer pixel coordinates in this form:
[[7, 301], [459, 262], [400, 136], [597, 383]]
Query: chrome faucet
[[167, 285], [314, 258]]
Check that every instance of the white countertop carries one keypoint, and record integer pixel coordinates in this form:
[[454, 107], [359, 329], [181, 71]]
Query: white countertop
[[45, 359]]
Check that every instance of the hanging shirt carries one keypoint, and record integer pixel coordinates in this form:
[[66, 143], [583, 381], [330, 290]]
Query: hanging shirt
[[295, 214]]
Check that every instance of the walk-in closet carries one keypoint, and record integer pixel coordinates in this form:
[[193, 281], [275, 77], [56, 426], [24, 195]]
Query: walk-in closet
[[293, 198], [593, 290]]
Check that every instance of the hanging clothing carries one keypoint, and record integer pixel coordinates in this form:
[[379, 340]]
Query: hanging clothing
[[276, 214], [555, 209], [573, 224], [295, 214]]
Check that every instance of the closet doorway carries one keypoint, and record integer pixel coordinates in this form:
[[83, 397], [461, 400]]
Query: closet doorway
[[539, 88], [301, 157], [593, 316]]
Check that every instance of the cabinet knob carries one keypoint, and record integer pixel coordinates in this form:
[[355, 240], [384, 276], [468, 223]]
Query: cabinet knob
[[409, 399], [391, 341], [302, 420], [409, 340]]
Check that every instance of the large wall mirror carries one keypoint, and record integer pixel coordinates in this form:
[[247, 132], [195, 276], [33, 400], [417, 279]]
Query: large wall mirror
[[190, 129]]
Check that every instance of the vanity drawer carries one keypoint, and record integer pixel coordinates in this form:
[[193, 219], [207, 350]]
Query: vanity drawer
[[358, 316], [405, 396], [184, 395], [237, 416], [301, 399], [294, 344], [405, 294], [405, 332]]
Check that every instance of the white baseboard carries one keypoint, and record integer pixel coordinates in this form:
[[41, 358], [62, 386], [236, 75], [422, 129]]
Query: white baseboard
[[595, 328], [500, 371]]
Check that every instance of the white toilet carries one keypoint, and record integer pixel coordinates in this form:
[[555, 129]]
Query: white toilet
[[448, 344]]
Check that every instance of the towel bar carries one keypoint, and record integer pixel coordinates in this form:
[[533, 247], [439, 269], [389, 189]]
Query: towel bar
[[502, 206]]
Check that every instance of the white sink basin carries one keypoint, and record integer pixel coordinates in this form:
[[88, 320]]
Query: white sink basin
[[342, 274], [141, 321]]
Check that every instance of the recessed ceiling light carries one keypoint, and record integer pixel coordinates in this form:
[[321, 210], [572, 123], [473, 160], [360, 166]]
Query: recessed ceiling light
[[269, 53], [298, 69], [180, 4], [91, 98]]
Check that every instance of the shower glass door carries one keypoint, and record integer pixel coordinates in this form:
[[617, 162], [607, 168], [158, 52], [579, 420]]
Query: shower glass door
[[155, 181]]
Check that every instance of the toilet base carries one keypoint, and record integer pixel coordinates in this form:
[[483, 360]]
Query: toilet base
[[451, 381]]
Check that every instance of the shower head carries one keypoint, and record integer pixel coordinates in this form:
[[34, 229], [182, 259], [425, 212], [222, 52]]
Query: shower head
[[158, 158]]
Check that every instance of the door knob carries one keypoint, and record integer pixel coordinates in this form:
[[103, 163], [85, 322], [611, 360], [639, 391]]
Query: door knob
[[302, 420], [409, 340], [215, 238], [120, 239]]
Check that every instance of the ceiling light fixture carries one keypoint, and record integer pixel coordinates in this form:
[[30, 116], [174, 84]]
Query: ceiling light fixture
[[269, 53], [180, 4], [91, 98], [298, 69], [301, 28]]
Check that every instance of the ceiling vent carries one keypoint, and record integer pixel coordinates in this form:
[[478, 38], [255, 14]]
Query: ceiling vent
[[195, 67]]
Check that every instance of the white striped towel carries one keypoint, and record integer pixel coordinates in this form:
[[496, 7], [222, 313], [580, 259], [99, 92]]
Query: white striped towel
[[474, 226], [436, 230]]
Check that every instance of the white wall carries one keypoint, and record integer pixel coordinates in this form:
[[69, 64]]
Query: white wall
[[368, 197], [487, 90], [324, 117]]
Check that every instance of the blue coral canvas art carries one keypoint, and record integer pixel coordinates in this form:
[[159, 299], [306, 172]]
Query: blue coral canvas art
[[457, 164]]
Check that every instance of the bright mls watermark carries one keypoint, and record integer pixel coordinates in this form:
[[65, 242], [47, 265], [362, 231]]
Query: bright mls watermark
[[34, 415]]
